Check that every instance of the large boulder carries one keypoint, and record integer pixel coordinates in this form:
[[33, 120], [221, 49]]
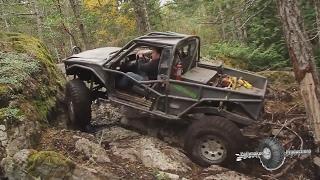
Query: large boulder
[[92, 150], [151, 152], [30, 87]]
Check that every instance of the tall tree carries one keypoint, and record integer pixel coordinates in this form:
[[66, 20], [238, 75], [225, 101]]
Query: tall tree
[[303, 60], [74, 42], [75, 9], [142, 16], [222, 17]]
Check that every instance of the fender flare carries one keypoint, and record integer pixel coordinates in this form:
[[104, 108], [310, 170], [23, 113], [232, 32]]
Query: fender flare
[[72, 67], [228, 115]]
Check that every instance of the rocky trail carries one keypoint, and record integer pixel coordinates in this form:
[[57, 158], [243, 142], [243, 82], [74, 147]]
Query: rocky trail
[[126, 144], [146, 148], [117, 150]]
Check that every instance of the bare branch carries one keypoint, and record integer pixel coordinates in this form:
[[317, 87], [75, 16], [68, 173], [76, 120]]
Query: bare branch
[[20, 14], [255, 14]]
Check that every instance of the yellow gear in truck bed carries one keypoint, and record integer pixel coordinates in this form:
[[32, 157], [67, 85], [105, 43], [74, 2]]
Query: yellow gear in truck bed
[[235, 83]]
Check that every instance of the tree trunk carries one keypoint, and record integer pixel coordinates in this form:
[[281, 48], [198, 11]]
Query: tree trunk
[[222, 22], [235, 37], [142, 17], [317, 10], [38, 18], [76, 12], [303, 61], [240, 30], [64, 27]]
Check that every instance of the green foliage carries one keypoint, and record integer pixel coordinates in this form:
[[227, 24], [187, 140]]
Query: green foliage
[[255, 59], [265, 29], [255, 24], [10, 115], [16, 68]]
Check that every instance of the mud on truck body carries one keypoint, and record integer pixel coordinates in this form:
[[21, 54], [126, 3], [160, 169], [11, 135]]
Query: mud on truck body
[[225, 106]]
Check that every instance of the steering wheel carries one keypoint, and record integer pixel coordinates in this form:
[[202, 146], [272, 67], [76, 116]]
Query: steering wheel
[[124, 61], [138, 61]]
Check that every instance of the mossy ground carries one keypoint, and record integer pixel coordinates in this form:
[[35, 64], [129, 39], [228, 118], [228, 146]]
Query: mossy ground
[[29, 79], [279, 77]]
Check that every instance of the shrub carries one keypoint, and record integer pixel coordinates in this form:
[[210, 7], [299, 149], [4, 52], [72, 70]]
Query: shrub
[[255, 59]]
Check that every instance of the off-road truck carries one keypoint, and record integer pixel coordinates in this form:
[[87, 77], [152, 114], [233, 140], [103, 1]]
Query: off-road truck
[[186, 88]]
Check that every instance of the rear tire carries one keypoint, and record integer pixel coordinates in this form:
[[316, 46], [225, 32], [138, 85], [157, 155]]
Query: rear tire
[[79, 105], [213, 141]]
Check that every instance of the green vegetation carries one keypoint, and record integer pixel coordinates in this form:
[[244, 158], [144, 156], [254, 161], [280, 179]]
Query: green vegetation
[[243, 56], [10, 116], [16, 68], [245, 33]]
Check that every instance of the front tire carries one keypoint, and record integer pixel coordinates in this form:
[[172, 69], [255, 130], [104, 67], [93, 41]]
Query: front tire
[[213, 141], [79, 105]]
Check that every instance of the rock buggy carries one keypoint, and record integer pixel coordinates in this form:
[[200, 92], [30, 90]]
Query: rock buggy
[[226, 99]]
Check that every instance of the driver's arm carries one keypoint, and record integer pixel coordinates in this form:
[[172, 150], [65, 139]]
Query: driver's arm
[[142, 53]]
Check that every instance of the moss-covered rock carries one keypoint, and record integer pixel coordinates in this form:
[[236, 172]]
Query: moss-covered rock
[[49, 164], [31, 164], [30, 85], [29, 78]]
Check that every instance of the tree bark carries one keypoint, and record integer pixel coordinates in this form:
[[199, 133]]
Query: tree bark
[[76, 12], [303, 61], [317, 10]]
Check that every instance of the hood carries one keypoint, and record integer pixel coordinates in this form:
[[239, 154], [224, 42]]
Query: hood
[[97, 55]]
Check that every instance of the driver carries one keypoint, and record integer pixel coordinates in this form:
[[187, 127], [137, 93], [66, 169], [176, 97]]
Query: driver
[[147, 69]]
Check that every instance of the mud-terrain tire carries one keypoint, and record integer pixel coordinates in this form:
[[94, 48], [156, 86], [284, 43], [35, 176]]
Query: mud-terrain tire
[[275, 154], [78, 102], [213, 141]]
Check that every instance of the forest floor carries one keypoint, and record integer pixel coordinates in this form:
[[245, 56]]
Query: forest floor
[[283, 106]]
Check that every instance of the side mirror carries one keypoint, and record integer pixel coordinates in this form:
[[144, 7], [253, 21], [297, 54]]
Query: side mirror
[[76, 50]]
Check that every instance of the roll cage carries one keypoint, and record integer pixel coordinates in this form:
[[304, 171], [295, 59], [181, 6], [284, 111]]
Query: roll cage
[[168, 41]]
